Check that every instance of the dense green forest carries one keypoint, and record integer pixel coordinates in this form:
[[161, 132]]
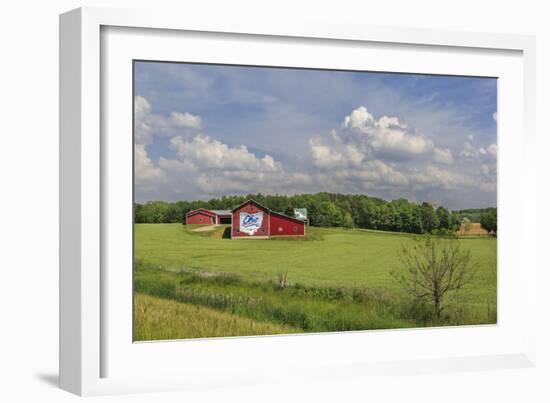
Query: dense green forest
[[331, 210]]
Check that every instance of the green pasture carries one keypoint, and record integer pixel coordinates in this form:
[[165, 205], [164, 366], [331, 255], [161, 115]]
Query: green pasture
[[192, 284], [330, 257]]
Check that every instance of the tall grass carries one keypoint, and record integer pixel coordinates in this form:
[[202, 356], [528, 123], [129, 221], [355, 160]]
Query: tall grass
[[312, 309], [163, 319], [307, 308]]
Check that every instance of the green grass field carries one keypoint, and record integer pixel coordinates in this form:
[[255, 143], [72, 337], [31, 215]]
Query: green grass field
[[339, 280]]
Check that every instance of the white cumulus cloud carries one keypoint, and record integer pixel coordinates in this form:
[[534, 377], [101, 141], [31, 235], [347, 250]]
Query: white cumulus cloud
[[471, 152], [365, 154], [492, 150], [144, 168], [149, 124], [327, 157], [203, 166], [186, 120], [443, 155], [384, 155], [386, 136], [363, 138], [205, 152]]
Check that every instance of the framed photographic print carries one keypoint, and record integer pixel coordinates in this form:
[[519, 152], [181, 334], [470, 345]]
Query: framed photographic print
[[277, 200], [364, 220]]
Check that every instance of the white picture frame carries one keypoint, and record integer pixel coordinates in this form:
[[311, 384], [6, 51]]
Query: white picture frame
[[89, 345]]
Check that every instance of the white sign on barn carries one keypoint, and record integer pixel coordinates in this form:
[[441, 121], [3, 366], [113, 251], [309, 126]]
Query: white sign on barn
[[249, 223]]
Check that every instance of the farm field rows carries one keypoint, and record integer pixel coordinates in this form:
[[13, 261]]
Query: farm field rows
[[339, 274]]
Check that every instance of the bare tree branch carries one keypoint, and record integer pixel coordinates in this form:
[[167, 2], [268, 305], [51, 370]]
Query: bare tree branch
[[434, 267]]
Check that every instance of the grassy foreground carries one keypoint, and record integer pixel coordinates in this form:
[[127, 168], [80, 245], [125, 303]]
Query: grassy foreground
[[338, 279], [163, 319]]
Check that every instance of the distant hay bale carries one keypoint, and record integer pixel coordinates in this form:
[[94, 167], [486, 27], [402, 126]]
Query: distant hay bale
[[475, 230]]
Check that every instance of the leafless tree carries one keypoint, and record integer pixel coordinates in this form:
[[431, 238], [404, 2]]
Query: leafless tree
[[466, 226], [282, 281], [432, 268]]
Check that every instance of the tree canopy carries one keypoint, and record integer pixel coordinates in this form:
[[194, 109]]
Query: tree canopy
[[488, 221]]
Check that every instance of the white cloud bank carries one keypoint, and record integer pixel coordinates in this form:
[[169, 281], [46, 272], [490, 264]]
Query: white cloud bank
[[470, 152], [386, 155], [381, 156], [386, 135], [204, 166], [207, 153], [149, 124]]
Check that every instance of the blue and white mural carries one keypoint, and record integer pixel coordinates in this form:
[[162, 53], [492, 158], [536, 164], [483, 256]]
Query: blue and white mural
[[249, 223]]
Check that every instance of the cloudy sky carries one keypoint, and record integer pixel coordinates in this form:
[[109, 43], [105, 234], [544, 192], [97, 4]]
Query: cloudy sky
[[204, 131]]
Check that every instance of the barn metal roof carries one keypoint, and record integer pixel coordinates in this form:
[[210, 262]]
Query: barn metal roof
[[200, 210], [221, 212], [209, 212]]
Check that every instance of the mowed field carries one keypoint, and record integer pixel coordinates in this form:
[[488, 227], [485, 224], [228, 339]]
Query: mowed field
[[336, 279]]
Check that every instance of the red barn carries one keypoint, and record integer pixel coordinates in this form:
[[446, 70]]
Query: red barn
[[254, 221], [203, 216]]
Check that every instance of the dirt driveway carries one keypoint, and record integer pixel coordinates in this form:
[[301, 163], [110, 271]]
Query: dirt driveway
[[206, 228]]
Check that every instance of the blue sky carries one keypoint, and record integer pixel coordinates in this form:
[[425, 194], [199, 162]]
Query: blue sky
[[203, 131]]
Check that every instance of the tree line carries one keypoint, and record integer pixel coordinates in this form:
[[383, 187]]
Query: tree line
[[475, 214], [329, 210]]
